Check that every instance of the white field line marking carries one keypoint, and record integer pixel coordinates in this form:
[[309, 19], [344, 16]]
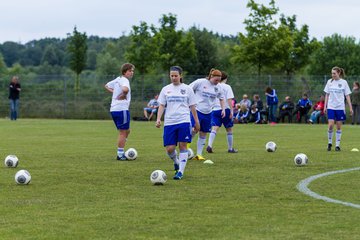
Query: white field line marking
[[303, 187]]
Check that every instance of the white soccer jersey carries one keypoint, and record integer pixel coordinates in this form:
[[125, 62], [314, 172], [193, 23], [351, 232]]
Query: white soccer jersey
[[228, 94], [177, 99], [116, 85], [337, 90], [206, 94]]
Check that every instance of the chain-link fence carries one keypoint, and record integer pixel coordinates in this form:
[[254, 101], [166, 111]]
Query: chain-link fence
[[54, 96]]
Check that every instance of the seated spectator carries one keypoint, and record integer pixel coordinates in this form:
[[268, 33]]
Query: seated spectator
[[255, 115], [260, 106], [151, 108], [235, 109], [286, 109], [245, 100], [243, 114], [318, 110], [302, 108]]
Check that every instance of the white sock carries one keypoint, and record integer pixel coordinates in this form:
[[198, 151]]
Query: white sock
[[173, 156], [183, 160], [230, 141], [120, 152], [211, 138], [338, 137], [200, 145], [330, 135]]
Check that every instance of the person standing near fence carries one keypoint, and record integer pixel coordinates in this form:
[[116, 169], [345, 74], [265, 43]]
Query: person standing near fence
[[336, 89], [207, 90], [179, 100], [14, 96], [217, 120], [272, 103], [355, 101], [119, 109]]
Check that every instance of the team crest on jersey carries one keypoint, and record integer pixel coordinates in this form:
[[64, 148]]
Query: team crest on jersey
[[182, 91], [339, 85], [216, 89]]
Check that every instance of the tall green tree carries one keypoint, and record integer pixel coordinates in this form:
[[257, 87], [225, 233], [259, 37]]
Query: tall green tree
[[77, 48], [298, 55], [206, 51], [177, 48], [264, 45], [3, 67], [336, 51], [143, 50]]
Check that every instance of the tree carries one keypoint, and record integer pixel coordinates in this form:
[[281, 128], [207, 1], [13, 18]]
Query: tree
[[206, 49], [299, 52], [336, 51], [177, 48], [107, 65], [143, 50], [77, 48], [3, 68], [51, 55], [264, 45]]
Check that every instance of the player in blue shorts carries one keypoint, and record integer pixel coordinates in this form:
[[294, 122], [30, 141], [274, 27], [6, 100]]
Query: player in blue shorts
[[179, 100], [336, 89], [217, 120], [119, 109], [207, 91]]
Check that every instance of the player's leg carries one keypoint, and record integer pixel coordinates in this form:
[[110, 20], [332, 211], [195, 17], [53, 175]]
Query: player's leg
[[170, 142], [340, 117], [215, 123], [331, 122], [184, 134]]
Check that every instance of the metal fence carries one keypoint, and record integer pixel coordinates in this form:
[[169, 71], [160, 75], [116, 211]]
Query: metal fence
[[54, 96]]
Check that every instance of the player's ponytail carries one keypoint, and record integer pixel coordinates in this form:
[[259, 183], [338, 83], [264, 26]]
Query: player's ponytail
[[214, 73]]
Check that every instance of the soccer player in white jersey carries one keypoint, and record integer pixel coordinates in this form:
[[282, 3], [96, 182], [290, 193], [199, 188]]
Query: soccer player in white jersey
[[179, 99], [207, 91], [336, 89], [119, 109], [217, 120]]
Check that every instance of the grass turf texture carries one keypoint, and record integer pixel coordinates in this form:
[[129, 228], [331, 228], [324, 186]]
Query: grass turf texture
[[79, 191]]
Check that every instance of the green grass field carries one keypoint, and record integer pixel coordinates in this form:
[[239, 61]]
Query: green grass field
[[79, 191]]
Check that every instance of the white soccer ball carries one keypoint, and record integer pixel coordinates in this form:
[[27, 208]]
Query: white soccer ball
[[158, 177], [270, 147], [22, 177], [11, 161], [301, 159], [190, 154], [131, 154]]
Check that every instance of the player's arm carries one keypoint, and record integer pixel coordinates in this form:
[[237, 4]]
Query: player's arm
[[197, 123], [326, 102], [123, 94], [109, 89], [349, 103], [159, 115], [231, 108]]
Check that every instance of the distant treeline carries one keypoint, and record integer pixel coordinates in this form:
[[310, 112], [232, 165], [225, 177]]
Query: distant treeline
[[269, 45]]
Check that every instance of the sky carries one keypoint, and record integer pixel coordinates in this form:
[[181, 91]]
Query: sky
[[23, 20]]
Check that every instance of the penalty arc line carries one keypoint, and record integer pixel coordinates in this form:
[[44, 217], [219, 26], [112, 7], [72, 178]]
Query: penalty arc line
[[303, 187]]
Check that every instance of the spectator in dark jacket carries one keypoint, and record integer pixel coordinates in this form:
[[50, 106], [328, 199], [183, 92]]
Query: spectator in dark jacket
[[286, 109], [302, 108], [14, 95], [255, 115]]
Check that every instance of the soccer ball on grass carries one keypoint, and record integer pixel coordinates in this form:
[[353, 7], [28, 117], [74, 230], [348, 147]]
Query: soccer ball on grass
[[301, 159], [158, 177], [22, 177], [11, 161], [131, 154], [270, 147]]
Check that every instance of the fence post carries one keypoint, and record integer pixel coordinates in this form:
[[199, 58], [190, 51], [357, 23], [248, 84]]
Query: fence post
[[269, 80], [64, 100]]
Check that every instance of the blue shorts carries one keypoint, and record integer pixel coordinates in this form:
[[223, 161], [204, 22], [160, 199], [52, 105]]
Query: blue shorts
[[204, 120], [121, 119], [217, 120], [337, 115], [149, 110], [177, 133]]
